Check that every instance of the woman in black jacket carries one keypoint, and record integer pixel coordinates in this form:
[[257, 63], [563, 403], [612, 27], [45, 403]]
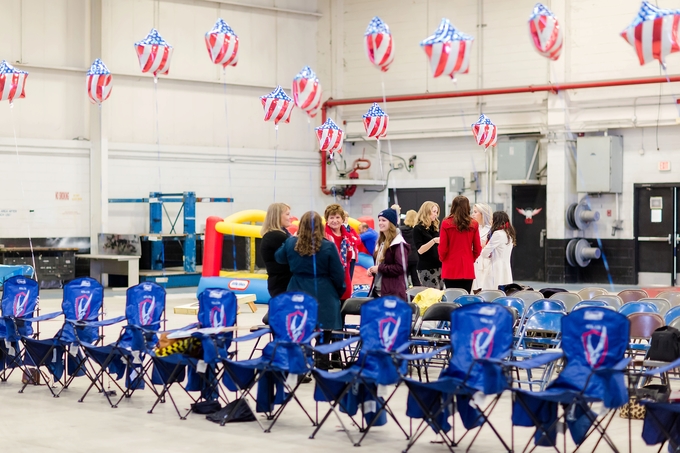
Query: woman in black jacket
[[426, 239], [274, 234], [407, 233]]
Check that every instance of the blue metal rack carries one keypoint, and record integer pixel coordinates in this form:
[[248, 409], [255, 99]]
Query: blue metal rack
[[157, 202]]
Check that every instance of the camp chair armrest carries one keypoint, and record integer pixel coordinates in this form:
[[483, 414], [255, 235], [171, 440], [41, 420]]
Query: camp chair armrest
[[620, 366], [426, 355], [44, 317], [335, 347], [535, 362], [105, 322], [490, 360], [663, 369], [254, 335]]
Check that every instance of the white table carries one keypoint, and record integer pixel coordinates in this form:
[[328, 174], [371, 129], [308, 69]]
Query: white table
[[102, 265], [192, 308]]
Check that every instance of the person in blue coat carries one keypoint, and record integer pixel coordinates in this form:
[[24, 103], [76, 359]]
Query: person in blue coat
[[317, 270]]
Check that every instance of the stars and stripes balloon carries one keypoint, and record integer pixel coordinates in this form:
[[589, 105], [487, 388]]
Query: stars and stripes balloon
[[545, 31], [154, 53], [485, 132], [307, 91], [12, 82], [653, 33], [277, 106], [98, 82], [330, 137], [379, 44], [222, 44], [375, 122], [448, 50]]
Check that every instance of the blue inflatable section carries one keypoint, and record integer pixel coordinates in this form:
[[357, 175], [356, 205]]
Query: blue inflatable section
[[365, 260], [255, 286]]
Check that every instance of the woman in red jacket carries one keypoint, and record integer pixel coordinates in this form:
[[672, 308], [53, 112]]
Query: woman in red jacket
[[459, 246], [339, 236]]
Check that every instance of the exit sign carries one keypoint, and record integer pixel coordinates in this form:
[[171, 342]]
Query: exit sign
[[664, 165]]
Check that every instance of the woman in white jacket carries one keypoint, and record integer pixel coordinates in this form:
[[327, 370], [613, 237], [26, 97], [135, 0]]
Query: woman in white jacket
[[498, 250], [482, 214]]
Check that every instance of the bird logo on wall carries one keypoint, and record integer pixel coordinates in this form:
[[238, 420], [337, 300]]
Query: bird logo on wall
[[529, 214]]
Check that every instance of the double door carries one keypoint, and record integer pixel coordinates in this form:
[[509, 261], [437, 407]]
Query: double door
[[656, 233]]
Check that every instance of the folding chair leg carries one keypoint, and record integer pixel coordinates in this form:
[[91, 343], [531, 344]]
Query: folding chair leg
[[291, 396]]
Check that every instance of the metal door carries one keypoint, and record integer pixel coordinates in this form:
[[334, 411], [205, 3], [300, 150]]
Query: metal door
[[414, 198], [529, 219], [656, 232]]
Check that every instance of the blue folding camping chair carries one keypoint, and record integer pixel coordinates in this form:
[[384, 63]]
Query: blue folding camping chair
[[217, 308], [19, 302], [384, 334], [662, 419], [82, 306], [594, 345], [481, 339], [284, 360], [144, 308]]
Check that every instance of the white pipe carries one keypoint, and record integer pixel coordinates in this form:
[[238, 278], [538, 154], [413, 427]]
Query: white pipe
[[268, 8]]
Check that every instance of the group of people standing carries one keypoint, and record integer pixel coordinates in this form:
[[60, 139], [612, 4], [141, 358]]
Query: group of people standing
[[319, 259], [469, 250]]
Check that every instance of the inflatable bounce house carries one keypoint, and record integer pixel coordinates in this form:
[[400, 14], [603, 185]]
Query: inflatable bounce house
[[251, 280]]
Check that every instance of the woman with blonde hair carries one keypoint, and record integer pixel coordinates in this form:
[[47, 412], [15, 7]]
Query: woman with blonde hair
[[317, 271], [482, 214], [274, 234], [426, 239], [460, 245], [391, 257], [407, 233]]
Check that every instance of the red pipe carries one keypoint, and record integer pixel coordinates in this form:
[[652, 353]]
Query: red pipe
[[552, 88]]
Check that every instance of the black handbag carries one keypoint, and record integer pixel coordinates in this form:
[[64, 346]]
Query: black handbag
[[665, 345]]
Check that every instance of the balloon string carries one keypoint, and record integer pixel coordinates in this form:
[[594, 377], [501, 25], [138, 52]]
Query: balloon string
[[23, 192], [389, 147], [229, 163], [158, 134], [311, 210], [101, 182], [276, 152], [665, 72]]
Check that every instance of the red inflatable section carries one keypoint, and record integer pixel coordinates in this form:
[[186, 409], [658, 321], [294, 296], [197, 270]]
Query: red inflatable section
[[212, 248], [368, 220]]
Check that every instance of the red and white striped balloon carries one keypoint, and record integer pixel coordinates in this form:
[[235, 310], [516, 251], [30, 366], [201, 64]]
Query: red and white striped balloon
[[154, 54], [330, 137], [545, 31], [485, 132], [307, 91], [98, 82], [222, 44], [653, 33], [379, 44], [448, 50], [277, 106], [375, 122], [12, 82]]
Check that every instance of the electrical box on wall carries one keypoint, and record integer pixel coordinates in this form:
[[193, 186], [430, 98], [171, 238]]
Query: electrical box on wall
[[599, 164], [517, 161], [457, 184]]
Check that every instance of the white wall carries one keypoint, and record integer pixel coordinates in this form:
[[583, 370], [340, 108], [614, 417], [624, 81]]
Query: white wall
[[172, 137], [503, 56]]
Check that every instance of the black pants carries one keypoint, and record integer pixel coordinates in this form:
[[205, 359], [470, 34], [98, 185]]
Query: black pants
[[412, 271], [352, 263], [461, 283]]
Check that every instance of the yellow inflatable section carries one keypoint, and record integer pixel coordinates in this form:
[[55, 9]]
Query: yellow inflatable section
[[242, 224]]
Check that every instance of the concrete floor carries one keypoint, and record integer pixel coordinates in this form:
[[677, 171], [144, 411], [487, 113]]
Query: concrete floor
[[36, 422]]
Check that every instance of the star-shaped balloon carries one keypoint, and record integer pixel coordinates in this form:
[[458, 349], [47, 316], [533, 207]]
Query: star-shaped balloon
[[545, 31], [375, 122], [485, 132], [12, 82], [307, 91], [98, 82], [154, 53], [330, 137], [379, 44], [653, 33], [448, 50], [222, 44], [277, 106]]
